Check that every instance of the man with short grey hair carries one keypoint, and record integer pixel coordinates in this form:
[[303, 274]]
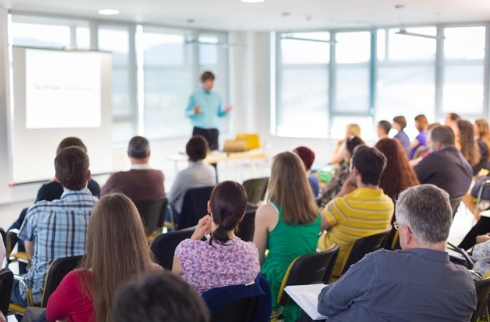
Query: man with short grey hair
[[417, 283]]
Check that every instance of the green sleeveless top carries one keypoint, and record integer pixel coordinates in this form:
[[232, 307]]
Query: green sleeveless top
[[285, 243]]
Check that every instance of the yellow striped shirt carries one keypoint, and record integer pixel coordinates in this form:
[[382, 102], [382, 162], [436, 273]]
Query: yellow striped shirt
[[362, 213]]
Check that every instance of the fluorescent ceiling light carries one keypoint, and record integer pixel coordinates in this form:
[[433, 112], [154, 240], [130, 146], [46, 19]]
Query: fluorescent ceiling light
[[290, 37], [404, 32], [253, 1], [108, 12]]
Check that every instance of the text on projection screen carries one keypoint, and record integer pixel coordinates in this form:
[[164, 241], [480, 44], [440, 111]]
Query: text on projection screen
[[63, 90]]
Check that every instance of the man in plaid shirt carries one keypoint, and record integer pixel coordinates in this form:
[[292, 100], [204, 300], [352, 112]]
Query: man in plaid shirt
[[58, 228]]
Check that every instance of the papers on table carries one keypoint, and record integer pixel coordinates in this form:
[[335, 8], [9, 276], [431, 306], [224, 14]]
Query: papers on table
[[306, 296]]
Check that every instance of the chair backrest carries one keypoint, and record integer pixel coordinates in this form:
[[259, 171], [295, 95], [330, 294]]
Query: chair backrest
[[256, 189], [195, 206], [6, 283], [305, 270], [455, 204], [333, 254], [247, 226], [364, 246], [482, 296], [163, 247], [419, 152], [241, 310], [57, 270], [150, 212]]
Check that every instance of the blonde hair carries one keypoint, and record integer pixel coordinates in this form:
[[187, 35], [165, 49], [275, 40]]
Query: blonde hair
[[290, 190], [354, 130], [116, 250], [484, 133]]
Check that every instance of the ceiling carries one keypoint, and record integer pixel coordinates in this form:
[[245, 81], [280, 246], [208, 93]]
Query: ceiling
[[236, 15]]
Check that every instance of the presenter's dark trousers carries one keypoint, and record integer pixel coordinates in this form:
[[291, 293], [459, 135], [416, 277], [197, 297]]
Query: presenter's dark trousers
[[211, 135]]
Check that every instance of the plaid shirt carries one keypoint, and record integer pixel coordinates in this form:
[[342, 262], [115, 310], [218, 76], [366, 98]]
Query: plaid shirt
[[58, 229]]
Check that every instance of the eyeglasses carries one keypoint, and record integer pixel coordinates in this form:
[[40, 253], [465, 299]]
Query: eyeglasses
[[397, 225]]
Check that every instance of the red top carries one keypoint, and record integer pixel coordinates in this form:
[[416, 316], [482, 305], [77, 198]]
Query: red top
[[69, 301]]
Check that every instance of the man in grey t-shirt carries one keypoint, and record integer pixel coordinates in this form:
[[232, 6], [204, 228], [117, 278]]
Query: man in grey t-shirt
[[417, 283], [198, 174]]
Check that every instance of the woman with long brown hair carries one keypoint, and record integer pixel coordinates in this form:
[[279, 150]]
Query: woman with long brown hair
[[398, 174], [288, 225], [117, 249], [467, 144], [482, 134]]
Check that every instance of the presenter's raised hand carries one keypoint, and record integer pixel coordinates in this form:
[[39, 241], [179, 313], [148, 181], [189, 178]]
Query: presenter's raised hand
[[197, 110], [228, 108]]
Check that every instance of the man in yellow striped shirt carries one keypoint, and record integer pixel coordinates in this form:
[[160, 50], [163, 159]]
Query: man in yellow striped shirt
[[361, 209]]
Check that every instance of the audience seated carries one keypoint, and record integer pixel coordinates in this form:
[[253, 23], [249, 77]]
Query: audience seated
[[383, 129], [418, 283], [351, 130], [157, 298], [358, 211], [468, 145], [421, 124], [308, 157], [117, 249], [288, 225], [481, 254], [333, 187], [141, 182], [51, 191], [451, 120], [482, 133], [399, 124], [198, 174], [398, 175], [479, 233], [445, 166], [56, 229], [225, 259]]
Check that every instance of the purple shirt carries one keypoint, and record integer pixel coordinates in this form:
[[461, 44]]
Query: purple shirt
[[206, 266], [422, 138]]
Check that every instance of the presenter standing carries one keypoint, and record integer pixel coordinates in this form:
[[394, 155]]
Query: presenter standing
[[205, 109]]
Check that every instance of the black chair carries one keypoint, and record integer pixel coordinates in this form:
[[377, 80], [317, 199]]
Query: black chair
[[247, 226], [256, 189], [163, 247], [305, 270], [195, 206], [58, 269], [364, 246], [334, 253], [455, 204], [238, 311], [483, 297], [151, 214], [6, 283]]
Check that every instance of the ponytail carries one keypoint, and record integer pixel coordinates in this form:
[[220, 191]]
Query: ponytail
[[228, 204]]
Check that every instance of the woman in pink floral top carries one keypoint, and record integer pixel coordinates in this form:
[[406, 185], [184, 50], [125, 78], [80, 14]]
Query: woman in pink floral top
[[225, 259]]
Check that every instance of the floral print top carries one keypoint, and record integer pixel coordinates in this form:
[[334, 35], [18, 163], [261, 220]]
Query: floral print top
[[206, 266], [481, 256]]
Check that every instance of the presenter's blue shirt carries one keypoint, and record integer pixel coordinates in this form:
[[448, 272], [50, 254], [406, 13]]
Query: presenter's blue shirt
[[211, 109]]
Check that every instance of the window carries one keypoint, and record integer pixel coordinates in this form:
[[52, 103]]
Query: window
[[464, 68], [303, 85], [406, 76], [168, 82]]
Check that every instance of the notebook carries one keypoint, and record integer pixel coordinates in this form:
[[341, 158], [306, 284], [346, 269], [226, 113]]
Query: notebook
[[306, 296]]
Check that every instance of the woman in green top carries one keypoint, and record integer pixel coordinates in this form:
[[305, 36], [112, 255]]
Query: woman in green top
[[288, 226]]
